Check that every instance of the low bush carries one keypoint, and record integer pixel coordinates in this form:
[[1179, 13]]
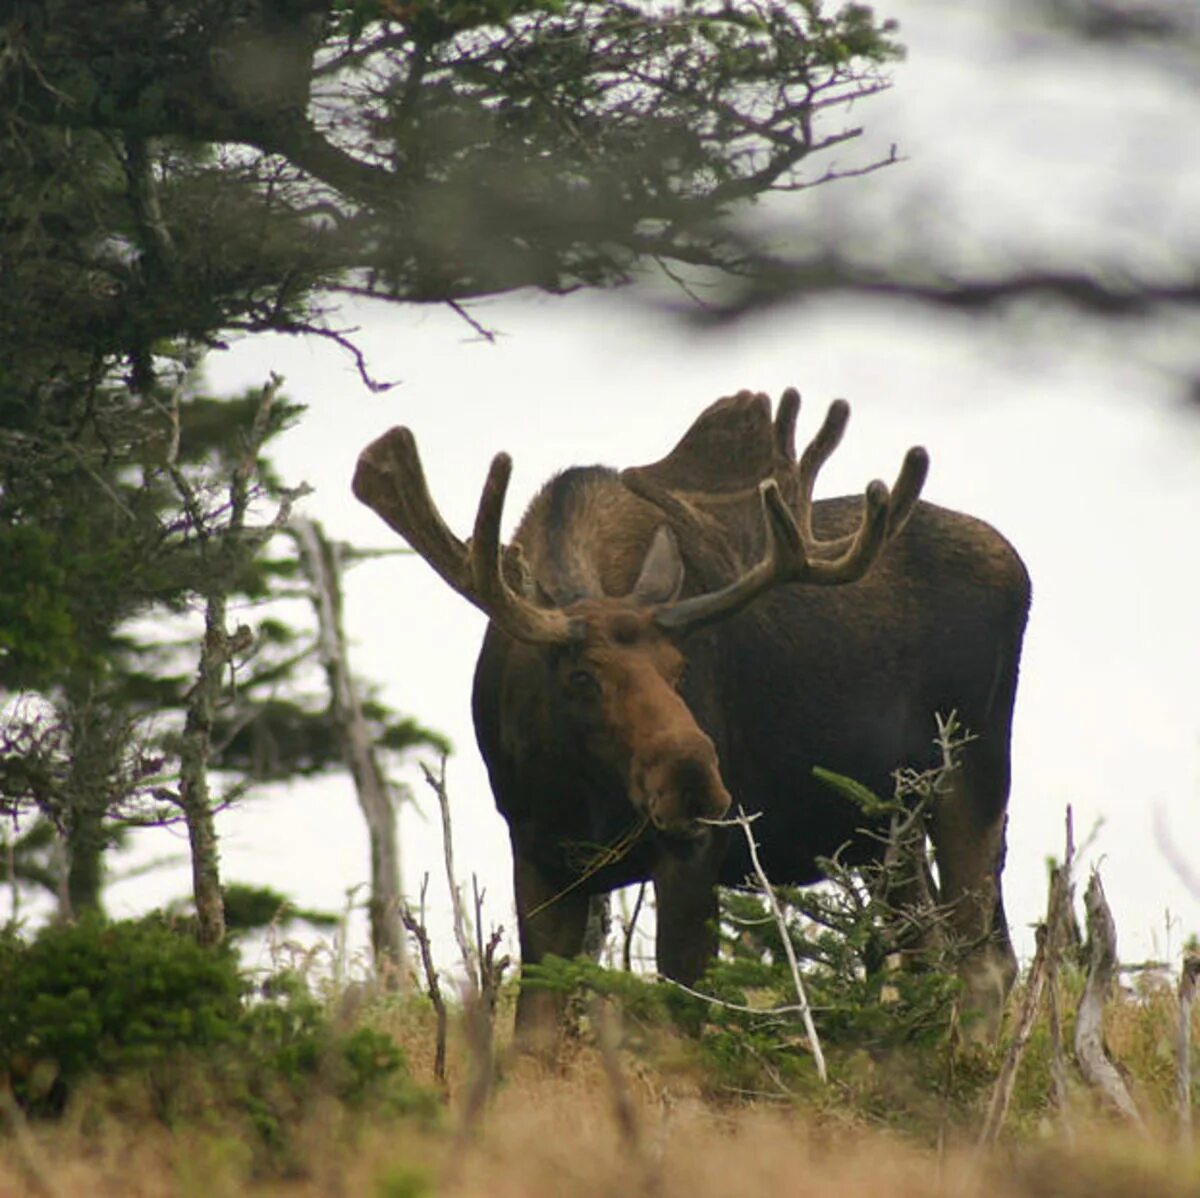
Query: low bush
[[135, 1017], [95, 998]]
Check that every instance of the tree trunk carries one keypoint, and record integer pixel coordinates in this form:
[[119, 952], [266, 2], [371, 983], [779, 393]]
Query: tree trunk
[[388, 945], [85, 864], [95, 744], [193, 775]]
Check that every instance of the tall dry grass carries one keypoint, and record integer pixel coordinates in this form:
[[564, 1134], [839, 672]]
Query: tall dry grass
[[554, 1132]]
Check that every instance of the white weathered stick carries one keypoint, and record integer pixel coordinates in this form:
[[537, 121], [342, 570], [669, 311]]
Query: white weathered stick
[[437, 783], [810, 1029], [1094, 1063]]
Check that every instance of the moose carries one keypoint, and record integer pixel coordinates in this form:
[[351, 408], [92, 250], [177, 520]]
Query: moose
[[669, 639]]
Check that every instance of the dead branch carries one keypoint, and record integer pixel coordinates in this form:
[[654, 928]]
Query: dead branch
[[1169, 847], [766, 1012], [1063, 932], [491, 968], [1094, 1062], [417, 929], [1183, 1044], [1002, 1091], [630, 929], [485, 973], [437, 783], [1049, 939], [480, 1027]]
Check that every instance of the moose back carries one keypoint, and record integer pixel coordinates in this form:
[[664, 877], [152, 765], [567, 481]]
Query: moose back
[[671, 638]]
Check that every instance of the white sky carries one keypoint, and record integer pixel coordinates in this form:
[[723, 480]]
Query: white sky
[[1072, 443]]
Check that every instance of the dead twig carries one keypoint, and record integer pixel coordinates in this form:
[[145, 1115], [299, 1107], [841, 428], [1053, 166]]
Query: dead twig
[[484, 969], [417, 929], [630, 929]]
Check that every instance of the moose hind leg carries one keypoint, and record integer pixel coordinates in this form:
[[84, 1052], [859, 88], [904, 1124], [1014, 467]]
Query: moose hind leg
[[968, 832]]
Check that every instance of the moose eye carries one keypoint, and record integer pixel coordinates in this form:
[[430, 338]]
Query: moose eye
[[582, 684]]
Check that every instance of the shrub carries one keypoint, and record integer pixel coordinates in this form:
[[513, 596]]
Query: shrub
[[153, 1020], [99, 998]]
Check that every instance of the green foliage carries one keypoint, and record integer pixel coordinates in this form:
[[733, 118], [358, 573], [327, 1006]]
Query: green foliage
[[863, 1008], [863, 797], [37, 631], [884, 1019], [139, 1005], [99, 998], [641, 998], [249, 908]]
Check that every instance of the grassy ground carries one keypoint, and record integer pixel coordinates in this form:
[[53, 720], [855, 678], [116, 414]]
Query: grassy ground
[[660, 1125]]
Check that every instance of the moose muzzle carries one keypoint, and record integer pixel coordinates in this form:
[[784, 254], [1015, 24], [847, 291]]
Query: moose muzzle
[[676, 781]]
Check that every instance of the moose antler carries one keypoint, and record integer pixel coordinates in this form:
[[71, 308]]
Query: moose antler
[[390, 480], [797, 479], [793, 552]]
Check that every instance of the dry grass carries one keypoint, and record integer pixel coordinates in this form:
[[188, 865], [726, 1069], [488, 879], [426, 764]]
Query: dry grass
[[553, 1133]]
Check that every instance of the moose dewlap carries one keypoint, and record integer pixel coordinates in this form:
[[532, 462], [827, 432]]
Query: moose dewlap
[[669, 638]]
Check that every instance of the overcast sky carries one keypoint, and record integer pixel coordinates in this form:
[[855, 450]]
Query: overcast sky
[[1074, 442]]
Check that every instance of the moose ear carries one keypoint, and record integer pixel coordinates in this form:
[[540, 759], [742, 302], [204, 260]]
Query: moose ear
[[661, 576]]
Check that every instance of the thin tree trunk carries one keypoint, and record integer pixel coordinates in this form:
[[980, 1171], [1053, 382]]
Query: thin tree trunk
[[84, 882], [94, 746], [194, 753], [238, 545], [388, 944]]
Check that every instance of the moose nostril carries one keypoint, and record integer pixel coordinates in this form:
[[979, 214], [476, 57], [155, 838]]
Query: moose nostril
[[701, 794]]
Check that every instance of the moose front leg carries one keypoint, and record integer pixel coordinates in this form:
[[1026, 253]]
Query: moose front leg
[[686, 934], [549, 921]]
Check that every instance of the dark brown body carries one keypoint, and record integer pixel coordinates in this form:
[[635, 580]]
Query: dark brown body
[[845, 678]]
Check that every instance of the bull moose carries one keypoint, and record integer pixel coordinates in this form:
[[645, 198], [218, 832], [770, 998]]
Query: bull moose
[[668, 636]]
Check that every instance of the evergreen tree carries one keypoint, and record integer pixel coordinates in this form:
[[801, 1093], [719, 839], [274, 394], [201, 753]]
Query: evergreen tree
[[174, 171]]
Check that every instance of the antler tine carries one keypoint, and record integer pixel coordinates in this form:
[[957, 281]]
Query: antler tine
[[884, 515], [785, 424], [816, 454], [390, 480], [486, 578], [906, 492]]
